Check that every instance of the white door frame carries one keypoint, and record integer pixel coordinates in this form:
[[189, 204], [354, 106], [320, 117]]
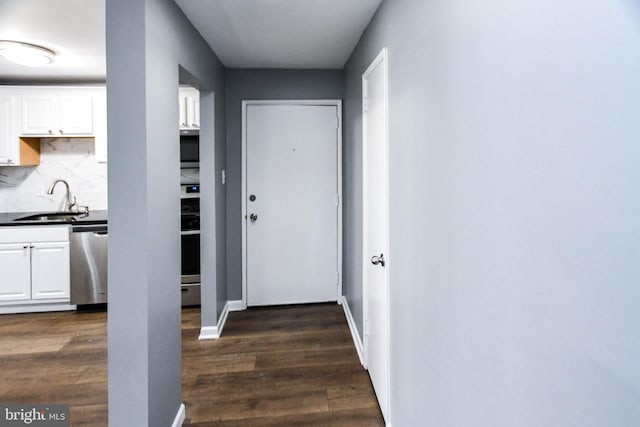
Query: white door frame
[[381, 58], [318, 102]]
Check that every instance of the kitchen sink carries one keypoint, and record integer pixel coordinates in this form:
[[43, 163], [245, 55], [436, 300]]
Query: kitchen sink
[[51, 217]]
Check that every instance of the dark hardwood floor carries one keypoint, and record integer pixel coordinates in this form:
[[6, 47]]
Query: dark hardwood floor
[[279, 366]]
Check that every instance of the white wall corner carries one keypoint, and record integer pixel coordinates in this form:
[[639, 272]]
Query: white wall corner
[[180, 416], [354, 330], [214, 332], [236, 305]]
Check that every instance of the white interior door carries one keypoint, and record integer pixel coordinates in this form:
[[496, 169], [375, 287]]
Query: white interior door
[[291, 203], [375, 232]]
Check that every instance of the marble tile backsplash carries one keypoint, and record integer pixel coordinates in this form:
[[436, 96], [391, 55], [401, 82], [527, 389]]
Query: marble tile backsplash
[[24, 189], [189, 176]]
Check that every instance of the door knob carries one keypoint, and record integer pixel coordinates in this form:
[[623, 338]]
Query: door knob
[[253, 217], [378, 260]]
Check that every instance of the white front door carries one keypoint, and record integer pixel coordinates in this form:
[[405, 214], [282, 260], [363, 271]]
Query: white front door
[[375, 229], [291, 203]]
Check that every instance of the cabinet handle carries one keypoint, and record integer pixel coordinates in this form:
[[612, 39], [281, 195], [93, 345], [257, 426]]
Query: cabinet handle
[[50, 132], [25, 247], [61, 132]]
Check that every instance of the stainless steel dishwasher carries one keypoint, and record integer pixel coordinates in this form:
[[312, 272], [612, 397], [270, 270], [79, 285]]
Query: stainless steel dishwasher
[[88, 250]]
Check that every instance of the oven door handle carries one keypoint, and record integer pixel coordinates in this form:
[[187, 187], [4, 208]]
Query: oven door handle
[[189, 232]]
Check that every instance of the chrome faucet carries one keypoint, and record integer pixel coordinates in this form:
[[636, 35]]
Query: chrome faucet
[[70, 204]]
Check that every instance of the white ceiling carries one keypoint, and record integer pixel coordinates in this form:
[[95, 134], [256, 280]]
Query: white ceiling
[[73, 29], [281, 33], [243, 33]]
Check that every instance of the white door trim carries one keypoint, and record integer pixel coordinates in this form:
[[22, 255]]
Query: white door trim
[[324, 102], [381, 58]]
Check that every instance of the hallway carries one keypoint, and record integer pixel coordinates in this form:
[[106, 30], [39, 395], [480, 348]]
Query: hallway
[[276, 366]]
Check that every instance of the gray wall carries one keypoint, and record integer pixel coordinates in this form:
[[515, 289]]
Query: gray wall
[[257, 84], [147, 40], [514, 205]]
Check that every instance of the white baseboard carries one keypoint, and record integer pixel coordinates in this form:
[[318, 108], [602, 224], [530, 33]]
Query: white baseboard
[[35, 308], [209, 333], [180, 416], [214, 332], [236, 305], [354, 330]]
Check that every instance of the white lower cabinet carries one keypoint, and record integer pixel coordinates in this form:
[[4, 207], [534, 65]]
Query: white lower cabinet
[[34, 262], [50, 270], [15, 264]]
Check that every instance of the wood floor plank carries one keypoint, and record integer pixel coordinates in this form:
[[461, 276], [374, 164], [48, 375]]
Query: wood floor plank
[[218, 364], [280, 342], [31, 344], [89, 415], [273, 405], [370, 417], [307, 357], [47, 392], [264, 382], [356, 395]]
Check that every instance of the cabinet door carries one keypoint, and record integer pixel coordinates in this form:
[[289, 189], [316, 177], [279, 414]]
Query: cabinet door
[[75, 115], [189, 102], [182, 106], [8, 135], [50, 277], [193, 113], [100, 125], [15, 265], [38, 115]]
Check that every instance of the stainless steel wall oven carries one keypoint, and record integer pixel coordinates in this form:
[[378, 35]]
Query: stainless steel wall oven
[[190, 240]]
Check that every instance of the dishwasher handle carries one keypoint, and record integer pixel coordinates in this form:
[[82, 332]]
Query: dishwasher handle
[[100, 229]]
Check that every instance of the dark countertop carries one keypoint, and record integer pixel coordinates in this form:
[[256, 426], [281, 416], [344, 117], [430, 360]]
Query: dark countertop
[[94, 217]]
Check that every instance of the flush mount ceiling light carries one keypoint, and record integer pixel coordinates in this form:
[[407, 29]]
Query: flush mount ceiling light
[[25, 53]]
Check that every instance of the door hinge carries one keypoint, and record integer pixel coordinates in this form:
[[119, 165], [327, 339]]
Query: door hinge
[[365, 102], [337, 200], [338, 278]]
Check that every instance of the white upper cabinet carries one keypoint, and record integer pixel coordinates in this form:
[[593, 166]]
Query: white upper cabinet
[[189, 102], [76, 114], [100, 124], [28, 113], [8, 132], [57, 114]]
